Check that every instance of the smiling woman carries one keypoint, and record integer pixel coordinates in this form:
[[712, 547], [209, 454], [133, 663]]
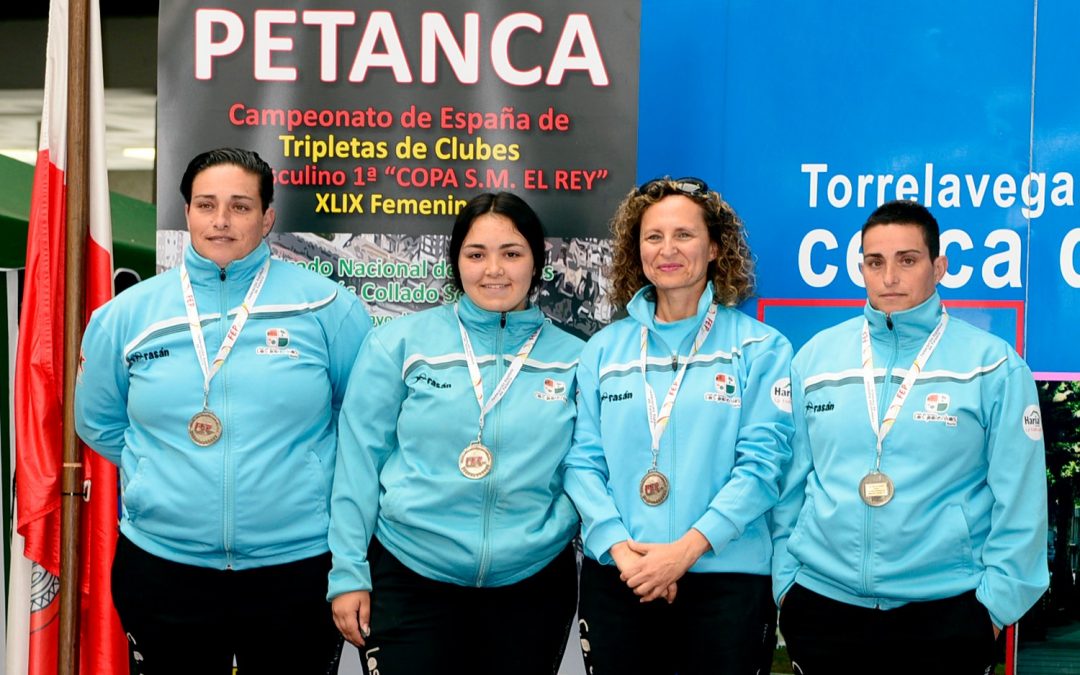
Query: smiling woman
[[452, 436], [673, 492]]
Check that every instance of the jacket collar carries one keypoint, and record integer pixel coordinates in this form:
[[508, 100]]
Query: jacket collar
[[475, 318], [642, 307], [244, 269], [910, 326]]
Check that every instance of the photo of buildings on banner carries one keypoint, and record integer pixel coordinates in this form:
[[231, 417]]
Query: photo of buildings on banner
[[397, 274]]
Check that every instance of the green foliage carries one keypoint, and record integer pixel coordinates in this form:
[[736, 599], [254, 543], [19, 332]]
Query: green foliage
[[1060, 403]]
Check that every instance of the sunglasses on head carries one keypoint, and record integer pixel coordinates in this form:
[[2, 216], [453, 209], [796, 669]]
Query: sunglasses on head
[[689, 186]]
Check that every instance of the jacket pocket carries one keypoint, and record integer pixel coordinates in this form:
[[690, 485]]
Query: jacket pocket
[[133, 492]]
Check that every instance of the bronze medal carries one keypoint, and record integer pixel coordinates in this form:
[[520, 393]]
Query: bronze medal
[[654, 488], [876, 489], [204, 428], [475, 461]]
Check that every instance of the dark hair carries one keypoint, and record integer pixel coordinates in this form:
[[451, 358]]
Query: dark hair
[[516, 211], [248, 160], [907, 212]]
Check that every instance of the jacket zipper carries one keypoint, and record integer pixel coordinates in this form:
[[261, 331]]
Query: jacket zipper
[[226, 457], [671, 438], [883, 400], [489, 487]]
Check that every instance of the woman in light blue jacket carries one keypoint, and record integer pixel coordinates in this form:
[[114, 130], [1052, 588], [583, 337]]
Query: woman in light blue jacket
[[683, 427], [454, 427], [215, 389]]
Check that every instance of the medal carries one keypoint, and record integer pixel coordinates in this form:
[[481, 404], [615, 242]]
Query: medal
[[654, 488], [876, 489], [475, 461], [204, 428]]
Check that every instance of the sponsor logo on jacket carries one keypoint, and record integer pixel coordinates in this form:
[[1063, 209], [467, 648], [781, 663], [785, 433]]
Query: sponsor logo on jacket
[[725, 391], [624, 396], [934, 410], [427, 379], [277, 341], [781, 394], [139, 357], [811, 408], [1033, 422]]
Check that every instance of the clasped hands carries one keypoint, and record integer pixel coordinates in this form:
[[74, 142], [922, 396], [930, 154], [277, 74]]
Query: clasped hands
[[652, 571]]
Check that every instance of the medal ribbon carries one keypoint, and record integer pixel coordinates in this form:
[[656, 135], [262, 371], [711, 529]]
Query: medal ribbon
[[658, 419], [234, 331], [507, 379], [905, 386]]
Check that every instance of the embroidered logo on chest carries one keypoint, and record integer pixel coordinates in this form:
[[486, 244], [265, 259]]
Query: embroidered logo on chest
[[554, 390], [277, 341], [934, 410], [725, 391]]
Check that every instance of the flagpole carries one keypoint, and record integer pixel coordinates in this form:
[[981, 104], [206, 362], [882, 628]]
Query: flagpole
[[78, 215]]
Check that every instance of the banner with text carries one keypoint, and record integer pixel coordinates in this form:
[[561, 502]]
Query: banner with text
[[381, 123], [806, 117]]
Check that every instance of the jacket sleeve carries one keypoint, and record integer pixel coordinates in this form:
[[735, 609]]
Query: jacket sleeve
[[367, 435], [586, 479], [762, 448], [1014, 555], [344, 343], [101, 392], [792, 495]]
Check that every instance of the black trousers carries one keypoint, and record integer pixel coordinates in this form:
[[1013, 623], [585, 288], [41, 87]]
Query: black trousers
[[953, 636], [181, 619], [425, 627], [720, 623]]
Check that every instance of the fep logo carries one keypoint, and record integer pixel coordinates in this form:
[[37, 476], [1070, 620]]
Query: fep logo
[[725, 384], [554, 390], [277, 341], [277, 337], [937, 403], [934, 410], [552, 386], [725, 391]]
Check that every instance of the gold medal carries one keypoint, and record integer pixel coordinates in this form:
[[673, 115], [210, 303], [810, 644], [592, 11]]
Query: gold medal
[[876, 489], [654, 488], [475, 461], [204, 428]]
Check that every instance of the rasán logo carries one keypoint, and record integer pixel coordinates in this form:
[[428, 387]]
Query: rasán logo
[[934, 410], [277, 340], [725, 391]]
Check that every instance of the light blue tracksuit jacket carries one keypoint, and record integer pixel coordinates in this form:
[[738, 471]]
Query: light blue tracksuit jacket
[[965, 456], [260, 495], [723, 448], [408, 413]]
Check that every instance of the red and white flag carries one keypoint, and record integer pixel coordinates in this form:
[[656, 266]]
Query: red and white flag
[[39, 379]]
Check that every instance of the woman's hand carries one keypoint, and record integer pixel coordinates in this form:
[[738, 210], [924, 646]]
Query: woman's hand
[[352, 615], [628, 561], [660, 566]]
